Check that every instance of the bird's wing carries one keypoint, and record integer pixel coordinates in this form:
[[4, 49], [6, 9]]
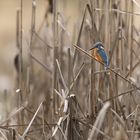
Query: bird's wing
[[104, 56]]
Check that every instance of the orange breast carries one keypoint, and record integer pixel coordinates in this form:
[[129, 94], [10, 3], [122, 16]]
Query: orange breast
[[96, 55]]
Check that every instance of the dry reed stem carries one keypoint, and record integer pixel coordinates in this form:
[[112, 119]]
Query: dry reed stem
[[37, 116], [33, 18], [89, 126], [79, 35], [4, 136], [99, 121], [55, 50], [29, 125], [135, 120], [62, 78], [12, 115], [41, 64], [121, 94], [119, 11], [44, 42]]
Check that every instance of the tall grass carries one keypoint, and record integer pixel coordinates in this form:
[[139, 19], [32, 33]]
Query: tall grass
[[64, 92]]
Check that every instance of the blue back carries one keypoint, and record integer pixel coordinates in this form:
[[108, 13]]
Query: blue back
[[104, 56]]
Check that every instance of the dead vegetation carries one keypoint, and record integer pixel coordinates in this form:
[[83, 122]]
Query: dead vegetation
[[62, 91]]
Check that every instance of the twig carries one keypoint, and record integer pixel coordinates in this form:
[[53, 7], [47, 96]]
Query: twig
[[114, 97], [12, 115], [37, 35], [119, 11], [5, 138], [90, 127], [62, 78], [28, 127], [39, 62]]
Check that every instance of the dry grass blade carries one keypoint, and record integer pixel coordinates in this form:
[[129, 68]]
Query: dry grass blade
[[78, 104], [65, 109], [136, 3], [17, 30], [39, 62], [114, 45], [99, 121], [63, 28], [104, 71], [4, 136], [28, 127], [119, 118], [59, 94], [135, 121], [98, 130], [58, 124], [135, 132], [131, 114], [12, 115], [61, 119], [72, 84], [93, 23], [65, 137], [81, 27], [121, 94], [45, 43], [119, 11], [79, 35], [40, 118], [62, 78], [135, 65], [77, 75], [33, 17], [101, 24]]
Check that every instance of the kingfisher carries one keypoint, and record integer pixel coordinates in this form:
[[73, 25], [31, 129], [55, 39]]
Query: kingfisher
[[98, 52]]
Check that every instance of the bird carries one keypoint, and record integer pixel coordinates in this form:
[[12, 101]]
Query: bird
[[98, 52]]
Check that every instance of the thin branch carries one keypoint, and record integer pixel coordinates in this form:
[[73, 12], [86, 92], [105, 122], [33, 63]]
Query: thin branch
[[28, 127], [39, 62], [119, 11], [12, 115], [114, 97], [37, 35], [62, 78]]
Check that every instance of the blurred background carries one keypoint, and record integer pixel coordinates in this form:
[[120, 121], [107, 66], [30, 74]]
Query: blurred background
[[8, 49]]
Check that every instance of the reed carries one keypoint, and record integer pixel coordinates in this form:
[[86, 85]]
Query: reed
[[66, 93]]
